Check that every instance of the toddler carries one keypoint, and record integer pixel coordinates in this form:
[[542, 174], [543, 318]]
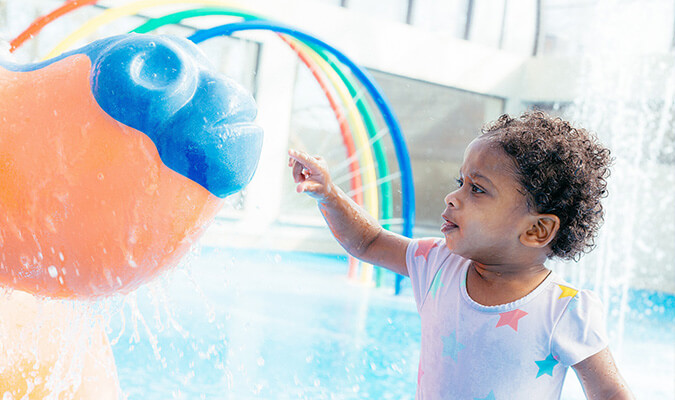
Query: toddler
[[496, 323]]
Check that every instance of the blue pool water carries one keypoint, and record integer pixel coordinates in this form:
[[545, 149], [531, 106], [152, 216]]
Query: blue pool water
[[237, 324]]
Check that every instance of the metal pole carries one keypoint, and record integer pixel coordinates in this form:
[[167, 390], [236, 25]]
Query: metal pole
[[537, 28], [469, 14], [501, 33], [409, 14]]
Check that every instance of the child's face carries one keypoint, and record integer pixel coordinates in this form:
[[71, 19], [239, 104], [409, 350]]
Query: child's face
[[485, 216]]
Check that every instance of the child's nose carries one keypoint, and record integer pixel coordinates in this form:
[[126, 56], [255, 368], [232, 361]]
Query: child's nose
[[451, 200]]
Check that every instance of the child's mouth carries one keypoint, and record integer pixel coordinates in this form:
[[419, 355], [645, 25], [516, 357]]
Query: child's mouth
[[448, 226]]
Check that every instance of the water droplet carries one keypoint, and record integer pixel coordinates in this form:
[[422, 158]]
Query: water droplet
[[53, 272], [277, 258]]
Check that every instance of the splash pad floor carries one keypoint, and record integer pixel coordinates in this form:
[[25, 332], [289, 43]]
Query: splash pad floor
[[257, 324]]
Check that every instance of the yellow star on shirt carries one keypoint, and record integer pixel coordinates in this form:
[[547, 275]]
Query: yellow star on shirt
[[567, 291]]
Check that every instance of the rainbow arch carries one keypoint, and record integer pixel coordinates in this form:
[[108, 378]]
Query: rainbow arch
[[341, 80]]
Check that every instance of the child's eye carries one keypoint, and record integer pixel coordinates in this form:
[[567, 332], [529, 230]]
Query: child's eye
[[474, 188]]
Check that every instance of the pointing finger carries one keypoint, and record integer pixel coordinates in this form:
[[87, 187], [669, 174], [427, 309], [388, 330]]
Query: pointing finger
[[304, 158]]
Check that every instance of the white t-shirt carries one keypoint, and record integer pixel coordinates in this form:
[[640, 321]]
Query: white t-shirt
[[519, 350]]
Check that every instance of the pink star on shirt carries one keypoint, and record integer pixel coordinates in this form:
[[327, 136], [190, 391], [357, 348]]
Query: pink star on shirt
[[511, 318], [424, 246]]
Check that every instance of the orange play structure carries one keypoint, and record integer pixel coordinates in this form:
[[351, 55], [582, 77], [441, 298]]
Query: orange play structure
[[85, 200], [87, 206]]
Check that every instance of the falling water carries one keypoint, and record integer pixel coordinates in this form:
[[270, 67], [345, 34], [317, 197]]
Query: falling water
[[627, 97]]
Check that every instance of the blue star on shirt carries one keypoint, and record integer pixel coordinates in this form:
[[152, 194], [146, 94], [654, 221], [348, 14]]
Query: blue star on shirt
[[546, 366], [436, 284], [490, 396], [450, 345]]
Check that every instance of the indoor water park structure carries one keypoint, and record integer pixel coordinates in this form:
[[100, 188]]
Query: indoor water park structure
[[139, 263]]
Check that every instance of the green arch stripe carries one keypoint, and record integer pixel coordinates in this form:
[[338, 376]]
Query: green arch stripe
[[177, 17]]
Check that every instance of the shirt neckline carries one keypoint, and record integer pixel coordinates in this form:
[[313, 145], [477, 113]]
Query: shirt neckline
[[501, 307]]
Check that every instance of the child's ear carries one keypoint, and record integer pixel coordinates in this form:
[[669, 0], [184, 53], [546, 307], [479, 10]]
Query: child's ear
[[541, 231]]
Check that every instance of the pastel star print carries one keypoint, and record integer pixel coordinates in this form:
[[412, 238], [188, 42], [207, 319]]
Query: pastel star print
[[490, 396], [436, 284], [424, 247], [450, 345], [567, 291], [546, 366], [511, 318]]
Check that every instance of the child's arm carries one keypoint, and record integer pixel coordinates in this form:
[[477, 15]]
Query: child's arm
[[359, 233], [601, 379]]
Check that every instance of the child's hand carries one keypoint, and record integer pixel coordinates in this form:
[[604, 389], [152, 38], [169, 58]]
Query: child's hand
[[358, 232], [310, 173]]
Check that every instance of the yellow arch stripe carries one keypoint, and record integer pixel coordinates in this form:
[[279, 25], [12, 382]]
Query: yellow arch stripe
[[360, 135]]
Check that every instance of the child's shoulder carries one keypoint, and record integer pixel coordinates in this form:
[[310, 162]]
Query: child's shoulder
[[431, 265], [579, 328], [425, 245], [427, 257], [429, 251], [572, 302], [567, 290]]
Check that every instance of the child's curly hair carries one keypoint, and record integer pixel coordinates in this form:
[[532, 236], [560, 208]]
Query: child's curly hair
[[563, 171]]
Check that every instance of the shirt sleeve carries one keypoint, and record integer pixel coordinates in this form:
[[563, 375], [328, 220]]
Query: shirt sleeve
[[580, 332], [424, 257]]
